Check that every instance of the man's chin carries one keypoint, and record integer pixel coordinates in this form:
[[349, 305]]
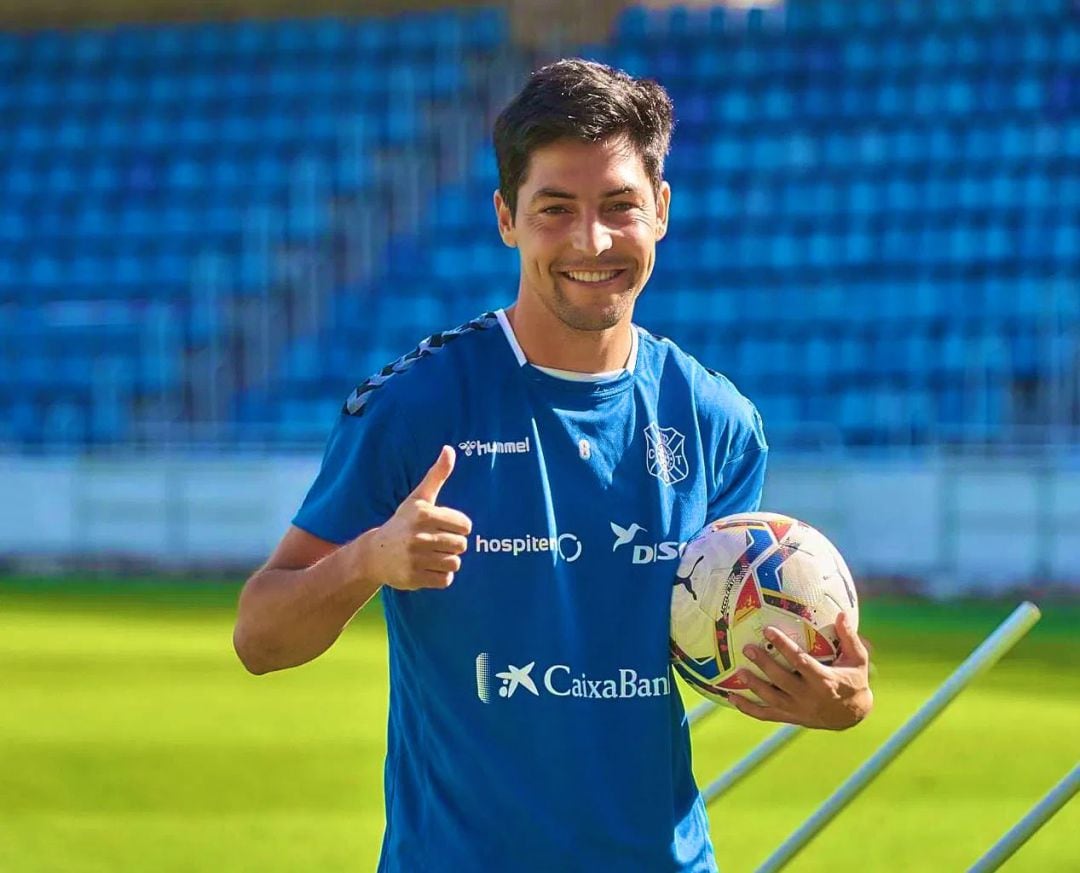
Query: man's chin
[[593, 310], [594, 317]]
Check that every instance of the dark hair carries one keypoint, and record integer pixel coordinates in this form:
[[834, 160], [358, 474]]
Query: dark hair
[[586, 101]]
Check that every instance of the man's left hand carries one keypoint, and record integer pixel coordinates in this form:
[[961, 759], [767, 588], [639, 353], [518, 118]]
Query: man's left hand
[[810, 693]]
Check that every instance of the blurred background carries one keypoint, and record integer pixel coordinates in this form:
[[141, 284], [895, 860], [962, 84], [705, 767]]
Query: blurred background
[[217, 219], [212, 230]]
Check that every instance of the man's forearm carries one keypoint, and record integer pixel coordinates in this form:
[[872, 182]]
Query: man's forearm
[[288, 617]]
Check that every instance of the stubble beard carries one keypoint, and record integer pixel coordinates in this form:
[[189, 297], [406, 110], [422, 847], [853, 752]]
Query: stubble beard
[[579, 318]]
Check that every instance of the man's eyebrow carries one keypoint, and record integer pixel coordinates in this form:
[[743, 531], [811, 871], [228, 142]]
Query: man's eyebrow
[[559, 194]]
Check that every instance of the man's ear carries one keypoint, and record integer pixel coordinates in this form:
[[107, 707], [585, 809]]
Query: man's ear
[[663, 210], [506, 221]]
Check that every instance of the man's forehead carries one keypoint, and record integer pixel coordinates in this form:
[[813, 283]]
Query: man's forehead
[[582, 167]]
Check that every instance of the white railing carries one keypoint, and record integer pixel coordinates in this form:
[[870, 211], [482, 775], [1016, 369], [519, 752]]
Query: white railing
[[948, 526]]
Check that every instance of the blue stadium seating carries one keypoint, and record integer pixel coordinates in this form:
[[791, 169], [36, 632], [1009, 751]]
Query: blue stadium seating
[[875, 225]]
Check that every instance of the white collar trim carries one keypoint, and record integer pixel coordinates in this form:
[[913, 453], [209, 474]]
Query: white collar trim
[[508, 331], [504, 323]]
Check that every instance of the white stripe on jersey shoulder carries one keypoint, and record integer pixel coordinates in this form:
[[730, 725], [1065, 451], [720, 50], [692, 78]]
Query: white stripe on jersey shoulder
[[428, 347], [631, 361], [504, 323]]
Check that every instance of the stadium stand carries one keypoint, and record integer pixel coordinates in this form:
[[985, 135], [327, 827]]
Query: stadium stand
[[213, 231]]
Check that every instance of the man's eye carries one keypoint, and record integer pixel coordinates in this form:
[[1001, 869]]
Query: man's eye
[[623, 206], [553, 210]]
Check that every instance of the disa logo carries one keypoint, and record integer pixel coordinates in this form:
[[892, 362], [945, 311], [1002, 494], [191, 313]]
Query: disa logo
[[642, 553]]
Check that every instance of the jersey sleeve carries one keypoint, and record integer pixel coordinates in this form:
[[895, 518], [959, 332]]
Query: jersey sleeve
[[365, 475], [741, 475]]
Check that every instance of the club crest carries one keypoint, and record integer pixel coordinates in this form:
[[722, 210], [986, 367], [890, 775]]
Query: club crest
[[665, 454]]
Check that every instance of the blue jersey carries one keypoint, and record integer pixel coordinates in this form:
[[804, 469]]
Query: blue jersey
[[534, 724]]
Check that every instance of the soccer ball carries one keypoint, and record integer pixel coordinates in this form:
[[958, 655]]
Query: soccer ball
[[743, 573]]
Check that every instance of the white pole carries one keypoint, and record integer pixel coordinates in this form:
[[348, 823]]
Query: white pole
[[757, 756], [1021, 832], [700, 712], [1008, 634]]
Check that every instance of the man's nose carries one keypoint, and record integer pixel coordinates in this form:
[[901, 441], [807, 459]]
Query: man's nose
[[591, 237]]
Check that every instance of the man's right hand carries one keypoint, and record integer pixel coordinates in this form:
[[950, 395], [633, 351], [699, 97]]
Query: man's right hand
[[294, 607], [420, 545]]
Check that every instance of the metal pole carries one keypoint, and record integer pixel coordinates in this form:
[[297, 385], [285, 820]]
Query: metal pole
[[700, 712], [758, 755], [1007, 635], [1021, 832]]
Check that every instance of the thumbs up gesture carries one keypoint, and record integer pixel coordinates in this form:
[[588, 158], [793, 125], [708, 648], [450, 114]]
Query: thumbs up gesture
[[420, 545]]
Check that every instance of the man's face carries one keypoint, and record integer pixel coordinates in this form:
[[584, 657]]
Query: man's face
[[586, 227]]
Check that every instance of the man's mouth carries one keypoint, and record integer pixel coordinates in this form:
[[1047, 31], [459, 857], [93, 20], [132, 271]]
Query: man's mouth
[[592, 277]]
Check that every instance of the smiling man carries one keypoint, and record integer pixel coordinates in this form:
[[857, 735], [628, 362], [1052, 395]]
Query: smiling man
[[533, 722]]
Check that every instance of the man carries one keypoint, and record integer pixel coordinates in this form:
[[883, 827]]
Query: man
[[527, 577]]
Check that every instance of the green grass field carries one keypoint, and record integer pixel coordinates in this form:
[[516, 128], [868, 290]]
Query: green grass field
[[132, 739]]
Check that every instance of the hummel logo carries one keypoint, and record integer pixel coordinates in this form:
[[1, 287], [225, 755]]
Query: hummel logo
[[495, 447], [513, 677], [624, 535]]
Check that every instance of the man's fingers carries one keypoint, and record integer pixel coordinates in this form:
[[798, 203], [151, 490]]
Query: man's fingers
[[443, 518], [443, 541], [436, 477], [791, 652], [434, 579], [852, 648], [777, 674], [769, 693], [756, 710], [440, 563]]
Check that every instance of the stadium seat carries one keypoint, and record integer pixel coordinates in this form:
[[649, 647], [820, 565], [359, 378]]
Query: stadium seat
[[874, 197]]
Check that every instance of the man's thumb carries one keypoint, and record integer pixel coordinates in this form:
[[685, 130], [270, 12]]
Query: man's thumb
[[436, 477]]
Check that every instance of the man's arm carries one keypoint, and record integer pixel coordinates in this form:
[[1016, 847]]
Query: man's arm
[[295, 607]]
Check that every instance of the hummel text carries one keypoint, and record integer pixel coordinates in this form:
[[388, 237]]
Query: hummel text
[[495, 447]]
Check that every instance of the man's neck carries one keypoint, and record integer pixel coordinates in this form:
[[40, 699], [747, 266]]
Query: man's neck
[[547, 342]]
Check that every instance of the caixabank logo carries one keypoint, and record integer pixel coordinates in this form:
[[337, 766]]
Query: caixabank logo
[[561, 680]]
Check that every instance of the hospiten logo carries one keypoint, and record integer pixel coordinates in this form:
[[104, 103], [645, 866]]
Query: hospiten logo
[[566, 546]]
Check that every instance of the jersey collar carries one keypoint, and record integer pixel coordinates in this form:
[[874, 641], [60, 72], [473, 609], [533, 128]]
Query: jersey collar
[[519, 355]]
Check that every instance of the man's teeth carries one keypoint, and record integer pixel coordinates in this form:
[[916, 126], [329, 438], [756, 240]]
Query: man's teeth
[[579, 276]]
